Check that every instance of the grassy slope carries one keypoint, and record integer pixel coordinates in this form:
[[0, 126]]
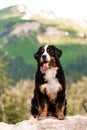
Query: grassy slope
[[71, 53], [67, 25], [22, 48]]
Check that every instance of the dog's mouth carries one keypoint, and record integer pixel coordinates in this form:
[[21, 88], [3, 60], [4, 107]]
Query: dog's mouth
[[46, 66]]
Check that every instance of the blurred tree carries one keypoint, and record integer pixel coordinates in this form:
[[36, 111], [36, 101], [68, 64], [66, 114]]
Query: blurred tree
[[5, 83], [20, 70], [15, 102], [77, 98], [5, 79]]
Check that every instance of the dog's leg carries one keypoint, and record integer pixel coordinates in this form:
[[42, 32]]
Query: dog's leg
[[43, 111], [60, 106], [60, 112], [42, 104], [34, 106]]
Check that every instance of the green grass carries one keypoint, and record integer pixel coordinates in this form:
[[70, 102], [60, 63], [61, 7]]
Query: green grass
[[74, 62], [67, 25], [72, 52], [26, 49], [23, 48]]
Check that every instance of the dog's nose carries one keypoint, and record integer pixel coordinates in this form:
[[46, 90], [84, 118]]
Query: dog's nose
[[44, 57]]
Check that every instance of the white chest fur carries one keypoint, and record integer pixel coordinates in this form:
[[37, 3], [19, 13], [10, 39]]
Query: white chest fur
[[52, 86]]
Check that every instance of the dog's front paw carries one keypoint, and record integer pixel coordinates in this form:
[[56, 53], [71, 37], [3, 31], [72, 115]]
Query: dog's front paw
[[61, 116], [41, 117]]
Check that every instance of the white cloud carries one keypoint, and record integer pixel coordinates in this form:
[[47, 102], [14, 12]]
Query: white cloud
[[62, 8], [6, 3]]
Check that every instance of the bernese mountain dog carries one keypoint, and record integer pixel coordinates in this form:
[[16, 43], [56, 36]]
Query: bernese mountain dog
[[49, 94]]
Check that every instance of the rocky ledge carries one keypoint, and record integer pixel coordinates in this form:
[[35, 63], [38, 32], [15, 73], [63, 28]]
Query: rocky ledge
[[70, 123]]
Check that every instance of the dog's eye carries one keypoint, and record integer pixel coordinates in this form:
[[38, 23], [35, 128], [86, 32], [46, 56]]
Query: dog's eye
[[41, 50], [48, 49]]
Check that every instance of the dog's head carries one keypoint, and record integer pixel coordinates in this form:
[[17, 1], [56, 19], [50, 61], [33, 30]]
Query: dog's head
[[47, 56]]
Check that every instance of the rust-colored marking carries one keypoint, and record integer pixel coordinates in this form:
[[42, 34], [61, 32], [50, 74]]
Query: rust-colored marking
[[60, 88], [43, 112], [60, 112], [42, 89], [52, 62]]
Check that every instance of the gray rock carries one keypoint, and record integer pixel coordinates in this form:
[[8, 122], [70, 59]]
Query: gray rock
[[5, 126], [70, 123]]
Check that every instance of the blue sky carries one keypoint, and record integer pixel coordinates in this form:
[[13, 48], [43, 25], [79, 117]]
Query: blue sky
[[61, 8]]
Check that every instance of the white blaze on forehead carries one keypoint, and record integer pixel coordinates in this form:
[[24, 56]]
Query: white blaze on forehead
[[46, 53], [45, 48]]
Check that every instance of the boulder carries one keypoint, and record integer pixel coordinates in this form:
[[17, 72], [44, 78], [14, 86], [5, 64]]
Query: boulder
[[50, 123]]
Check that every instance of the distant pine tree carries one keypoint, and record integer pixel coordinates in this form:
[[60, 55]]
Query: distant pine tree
[[5, 80]]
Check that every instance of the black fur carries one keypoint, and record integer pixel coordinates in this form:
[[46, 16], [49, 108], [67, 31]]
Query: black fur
[[39, 98]]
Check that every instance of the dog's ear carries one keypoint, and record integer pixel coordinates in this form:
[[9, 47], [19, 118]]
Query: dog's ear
[[58, 53], [36, 55]]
